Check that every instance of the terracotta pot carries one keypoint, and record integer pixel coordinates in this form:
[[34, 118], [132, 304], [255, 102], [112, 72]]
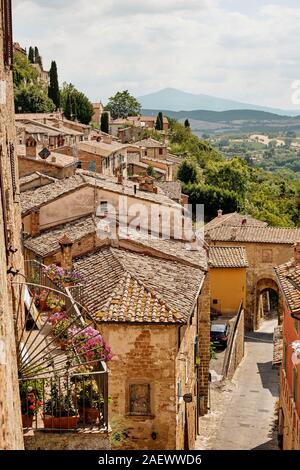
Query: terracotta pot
[[67, 422], [91, 415], [27, 421]]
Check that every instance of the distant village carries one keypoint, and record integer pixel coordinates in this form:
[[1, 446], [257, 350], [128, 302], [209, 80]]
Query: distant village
[[113, 332]]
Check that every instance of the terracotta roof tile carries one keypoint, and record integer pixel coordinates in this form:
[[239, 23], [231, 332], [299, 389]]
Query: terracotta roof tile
[[235, 220], [254, 234], [289, 279], [129, 287], [227, 257]]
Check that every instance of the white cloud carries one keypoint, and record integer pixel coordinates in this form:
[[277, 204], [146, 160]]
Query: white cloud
[[199, 46]]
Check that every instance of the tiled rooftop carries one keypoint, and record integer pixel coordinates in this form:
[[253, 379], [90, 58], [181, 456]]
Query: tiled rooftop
[[234, 220], [40, 196], [254, 234], [122, 286], [227, 257], [289, 278], [48, 242], [172, 189], [35, 176], [149, 143]]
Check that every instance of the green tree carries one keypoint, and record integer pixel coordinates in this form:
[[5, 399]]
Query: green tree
[[212, 198], [159, 126], [31, 55], [187, 123], [150, 171], [232, 175], [187, 172], [31, 99], [122, 105], [105, 122], [53, 91], [76, 106], [37, 57], [23, 71]]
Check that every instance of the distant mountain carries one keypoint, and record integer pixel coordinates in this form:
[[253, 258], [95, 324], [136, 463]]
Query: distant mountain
[[234, 121], [177, 100]]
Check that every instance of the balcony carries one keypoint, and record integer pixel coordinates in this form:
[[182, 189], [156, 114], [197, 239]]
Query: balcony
[[62, 363]]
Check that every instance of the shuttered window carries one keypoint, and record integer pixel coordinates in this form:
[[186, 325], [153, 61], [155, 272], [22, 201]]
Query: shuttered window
[[295, 385], [13, 168], [7, 32]]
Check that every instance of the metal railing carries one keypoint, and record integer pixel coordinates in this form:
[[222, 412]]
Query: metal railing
[[73, 402]]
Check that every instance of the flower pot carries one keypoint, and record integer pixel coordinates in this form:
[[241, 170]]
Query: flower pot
[[90, 415], [27, 421], [65, 422]]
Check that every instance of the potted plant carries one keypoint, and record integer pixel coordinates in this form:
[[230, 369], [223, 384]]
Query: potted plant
[[40, 300], [56, 304], [30, 402], [60, 325], [59, 411], [90, 346], [90, 402]]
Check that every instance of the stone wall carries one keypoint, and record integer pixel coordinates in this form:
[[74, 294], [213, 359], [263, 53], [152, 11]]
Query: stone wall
[[204, 346], [10, 229], [236, 350], [28, 165], [143, 354], [41, 440]]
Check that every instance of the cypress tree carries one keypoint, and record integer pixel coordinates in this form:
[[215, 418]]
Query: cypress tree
[[187, 123], [159, 122], [31, 55], [53, 91], [37, 57], [105, 123], [68, 108]]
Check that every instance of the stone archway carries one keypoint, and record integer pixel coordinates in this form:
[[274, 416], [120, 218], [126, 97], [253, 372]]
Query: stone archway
[[268, 300]]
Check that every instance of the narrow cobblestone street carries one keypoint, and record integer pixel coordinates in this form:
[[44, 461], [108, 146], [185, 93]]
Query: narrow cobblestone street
[[242, 412]]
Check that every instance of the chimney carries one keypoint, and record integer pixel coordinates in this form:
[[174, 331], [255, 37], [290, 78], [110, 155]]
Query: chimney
[[120, 178], [297, 253], [53, 159], [220, 213], [66, 245], [244, 222], [35, 223], [107, 139], [147, 185]]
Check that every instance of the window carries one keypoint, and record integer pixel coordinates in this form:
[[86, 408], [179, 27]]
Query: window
[[215, 301], [295, 384], [267, 256], [284, 356], [92, 166], [160, 151], [103, 207], [7, 32], [139, 399]]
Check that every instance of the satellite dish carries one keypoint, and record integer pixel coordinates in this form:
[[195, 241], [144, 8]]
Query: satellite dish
[[45, 153]]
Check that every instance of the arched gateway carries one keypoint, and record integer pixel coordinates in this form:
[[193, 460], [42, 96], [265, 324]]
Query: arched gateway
[[268, 301]]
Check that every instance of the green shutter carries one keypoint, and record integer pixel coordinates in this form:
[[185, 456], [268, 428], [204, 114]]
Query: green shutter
[[295, 384]]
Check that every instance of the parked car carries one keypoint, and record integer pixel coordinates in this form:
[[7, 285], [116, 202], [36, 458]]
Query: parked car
[[219, 334]]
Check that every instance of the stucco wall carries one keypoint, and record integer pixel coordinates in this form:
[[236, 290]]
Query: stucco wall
[[228, 286]]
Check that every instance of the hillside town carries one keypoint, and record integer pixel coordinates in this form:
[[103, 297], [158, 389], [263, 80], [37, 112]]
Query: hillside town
[[128, 322]]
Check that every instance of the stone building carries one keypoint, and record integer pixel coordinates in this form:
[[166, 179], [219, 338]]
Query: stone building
[[152, 307], [87, 193], [266, 247], [228, 269], [288, 276], [11, 260]]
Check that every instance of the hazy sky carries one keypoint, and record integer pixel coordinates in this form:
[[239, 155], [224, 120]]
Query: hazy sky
[[246, 50]]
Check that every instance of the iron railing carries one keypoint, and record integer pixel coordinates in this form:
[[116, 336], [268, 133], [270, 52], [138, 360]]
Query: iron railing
[[73, 402]]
